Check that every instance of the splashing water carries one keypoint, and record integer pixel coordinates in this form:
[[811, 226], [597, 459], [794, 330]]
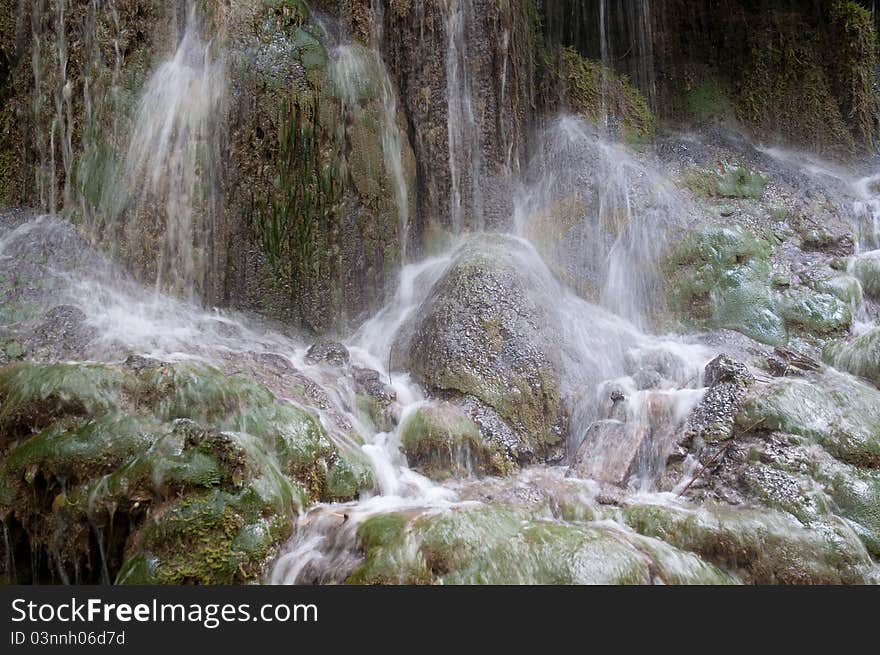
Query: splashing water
[[465, 159], [599, 216], [172, 159]]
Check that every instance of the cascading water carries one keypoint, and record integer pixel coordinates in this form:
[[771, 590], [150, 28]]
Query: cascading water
[[465, 162], [599, 215], [354, 69], [172, 159]]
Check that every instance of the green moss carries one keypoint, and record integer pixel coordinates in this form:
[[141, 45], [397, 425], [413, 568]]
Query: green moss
[[730, 181], [347, 477], [590, 87], [843, 287], [708, 99], [213, 538], [831, 409], [34, 395], [441, 441], [784, 87], [819, 313], [213, 463], [489, 544], [90, 446], [765, 547], [854, 69], [720, 277], [866, 269]]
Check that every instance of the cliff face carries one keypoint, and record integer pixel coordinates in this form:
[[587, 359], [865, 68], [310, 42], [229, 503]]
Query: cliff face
[[317, 187], [465, 74]]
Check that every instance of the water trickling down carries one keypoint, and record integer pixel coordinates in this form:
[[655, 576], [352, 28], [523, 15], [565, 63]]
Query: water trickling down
[[172, 160]]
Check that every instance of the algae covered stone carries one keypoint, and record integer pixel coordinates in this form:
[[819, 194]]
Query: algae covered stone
[[441, 440], [184, 472], [486, 330]]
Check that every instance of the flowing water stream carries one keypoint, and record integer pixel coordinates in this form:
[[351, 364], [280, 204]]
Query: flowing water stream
[[589, 224]]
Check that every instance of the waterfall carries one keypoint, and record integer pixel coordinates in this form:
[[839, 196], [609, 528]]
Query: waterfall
[[352, 69], [465, 160], [172, 159]]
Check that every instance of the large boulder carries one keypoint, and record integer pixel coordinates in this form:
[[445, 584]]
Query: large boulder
[[487, 330]]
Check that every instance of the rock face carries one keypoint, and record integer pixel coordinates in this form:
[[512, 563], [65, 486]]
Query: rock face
[[486, 331], [463, 69]]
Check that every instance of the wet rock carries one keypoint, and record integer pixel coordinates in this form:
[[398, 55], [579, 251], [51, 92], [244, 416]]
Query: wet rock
[[199, 470], [486, 331], [845, 288], [719, 277], [786, 363], [824, 230], [714, 418], [866, 268], [761, 546], [62, 334], [494, 544], [375, 398], [327, 352], [828, 408], [816, 313], [441, 441], [139, 363], [860, 355], [607, 452]]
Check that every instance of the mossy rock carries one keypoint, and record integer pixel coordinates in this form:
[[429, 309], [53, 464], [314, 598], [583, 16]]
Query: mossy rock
[[816, 313], [486, 331], [148, 452], [761, 546], [719, 277], [866, 269], [845, 288], [210, 538], [590, 88], [834, 410], [441, 441], [504, 545], [859, 355], [729, 181]]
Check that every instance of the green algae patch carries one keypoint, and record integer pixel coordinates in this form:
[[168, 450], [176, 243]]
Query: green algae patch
[[720, 277], [442, 441], [836, 411], [760, 546]]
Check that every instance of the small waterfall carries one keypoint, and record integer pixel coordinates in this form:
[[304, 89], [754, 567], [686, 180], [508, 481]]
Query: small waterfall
[[352, 70], [392, 148], [599, 215], [170, 166], [465, 159]]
